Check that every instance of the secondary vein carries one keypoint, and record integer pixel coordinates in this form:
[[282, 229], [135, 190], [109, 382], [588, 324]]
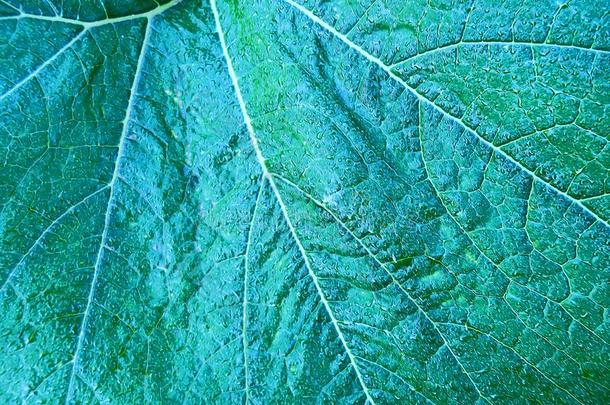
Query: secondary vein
[[43, 65], [115, 176], [498, 43], [89, 24], [420, 97], [46, 231]]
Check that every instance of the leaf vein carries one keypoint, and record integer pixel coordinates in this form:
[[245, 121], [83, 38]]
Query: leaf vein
[[261, 160], [48, 229], [41, 67]]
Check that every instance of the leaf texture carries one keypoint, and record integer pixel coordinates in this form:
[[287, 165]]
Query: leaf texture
[[290, 201]]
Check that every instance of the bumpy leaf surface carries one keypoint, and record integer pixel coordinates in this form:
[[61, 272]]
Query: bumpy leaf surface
[[304, 201]]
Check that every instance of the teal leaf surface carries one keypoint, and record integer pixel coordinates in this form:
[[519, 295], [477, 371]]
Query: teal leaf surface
[[304, 202]]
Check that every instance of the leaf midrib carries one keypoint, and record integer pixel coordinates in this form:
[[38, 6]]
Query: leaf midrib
[[266, 175]]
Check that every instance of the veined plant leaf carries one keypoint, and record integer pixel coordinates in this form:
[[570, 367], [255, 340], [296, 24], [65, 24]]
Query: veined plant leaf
[[304, 201]]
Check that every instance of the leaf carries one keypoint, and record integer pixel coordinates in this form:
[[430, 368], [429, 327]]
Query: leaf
[[304, 202]]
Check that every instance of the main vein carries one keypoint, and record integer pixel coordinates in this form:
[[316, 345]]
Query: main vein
[[420, 97], [115, 176], [266, 174]]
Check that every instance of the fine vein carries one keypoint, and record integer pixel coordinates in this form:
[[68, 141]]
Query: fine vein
[[244, 325], [493, 264], [47, 230]]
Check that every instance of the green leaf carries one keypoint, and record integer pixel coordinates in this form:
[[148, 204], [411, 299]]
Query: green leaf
[[282, 201]]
